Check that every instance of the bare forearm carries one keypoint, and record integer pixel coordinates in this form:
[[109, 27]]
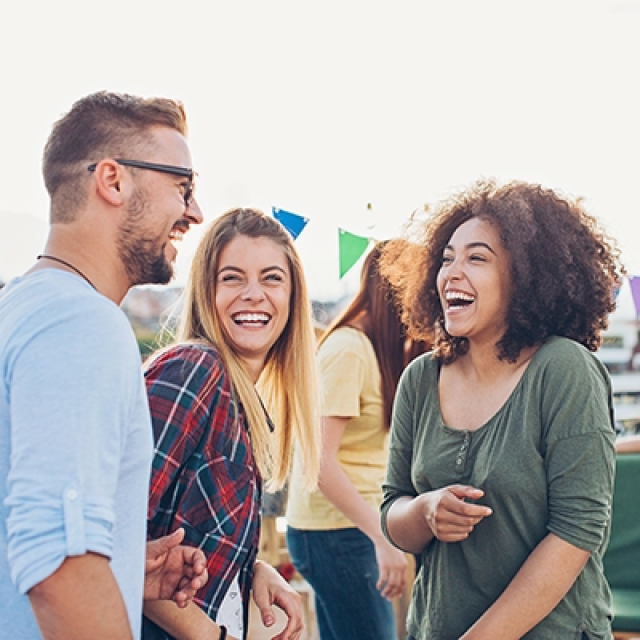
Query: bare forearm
[[189, 623], [336, 486], [542, 582], [406, 526], [81, 600]]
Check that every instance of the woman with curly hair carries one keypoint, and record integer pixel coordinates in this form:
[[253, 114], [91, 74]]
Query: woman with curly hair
[[501, 465]]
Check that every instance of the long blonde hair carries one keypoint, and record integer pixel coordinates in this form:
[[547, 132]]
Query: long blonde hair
[[287, 384]]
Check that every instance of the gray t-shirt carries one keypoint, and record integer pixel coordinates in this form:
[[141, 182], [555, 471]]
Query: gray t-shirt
[[545, 461]]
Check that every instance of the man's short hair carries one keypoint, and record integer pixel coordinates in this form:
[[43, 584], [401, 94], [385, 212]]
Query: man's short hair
[[102, 124]]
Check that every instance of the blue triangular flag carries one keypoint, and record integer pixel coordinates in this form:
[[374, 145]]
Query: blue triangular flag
[[292, 222]]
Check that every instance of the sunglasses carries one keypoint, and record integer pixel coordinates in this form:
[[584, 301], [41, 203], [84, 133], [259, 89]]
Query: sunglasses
[[190, 174]]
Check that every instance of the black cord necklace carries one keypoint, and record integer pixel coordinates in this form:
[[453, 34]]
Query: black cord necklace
[[66, 264]]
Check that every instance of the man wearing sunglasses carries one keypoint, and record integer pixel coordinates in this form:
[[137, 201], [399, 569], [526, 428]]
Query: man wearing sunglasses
[[75, 432]]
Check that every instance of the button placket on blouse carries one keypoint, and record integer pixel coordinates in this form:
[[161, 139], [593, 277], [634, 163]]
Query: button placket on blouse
[[462, 452]]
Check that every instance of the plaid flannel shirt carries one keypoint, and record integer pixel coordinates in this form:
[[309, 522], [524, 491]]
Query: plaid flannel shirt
[[203, 476]]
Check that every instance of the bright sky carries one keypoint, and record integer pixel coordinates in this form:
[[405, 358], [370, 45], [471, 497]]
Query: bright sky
[[320, 108]]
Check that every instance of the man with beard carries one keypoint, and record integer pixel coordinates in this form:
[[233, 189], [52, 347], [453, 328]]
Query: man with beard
[[75, 432]]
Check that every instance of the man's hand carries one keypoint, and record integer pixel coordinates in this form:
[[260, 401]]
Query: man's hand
[[173, 571], [270, 588]]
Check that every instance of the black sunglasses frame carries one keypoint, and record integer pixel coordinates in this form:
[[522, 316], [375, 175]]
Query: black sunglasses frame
[[162, 168]]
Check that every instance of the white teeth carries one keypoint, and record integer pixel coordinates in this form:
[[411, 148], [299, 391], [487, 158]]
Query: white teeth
[[176, 234], [458, 295], [251, 317]]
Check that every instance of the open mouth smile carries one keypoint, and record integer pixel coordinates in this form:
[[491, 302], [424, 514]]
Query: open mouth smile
[[179, 229], [458, 299], [251, 319], [176, 235]]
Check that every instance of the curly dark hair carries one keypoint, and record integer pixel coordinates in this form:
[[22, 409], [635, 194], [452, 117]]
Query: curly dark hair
[[564, 268]]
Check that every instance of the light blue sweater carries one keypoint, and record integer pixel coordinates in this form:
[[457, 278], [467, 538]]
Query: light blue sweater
[[75, 441]]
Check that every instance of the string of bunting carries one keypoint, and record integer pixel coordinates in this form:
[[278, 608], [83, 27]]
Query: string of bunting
[[350, 246]]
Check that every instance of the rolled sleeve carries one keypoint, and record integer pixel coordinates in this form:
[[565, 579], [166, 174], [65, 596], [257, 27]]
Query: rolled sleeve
[[579, 448], [41, 536], [66, 446], [580, 471]]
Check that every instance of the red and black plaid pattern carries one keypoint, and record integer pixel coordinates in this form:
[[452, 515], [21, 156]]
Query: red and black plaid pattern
[[203, 476]]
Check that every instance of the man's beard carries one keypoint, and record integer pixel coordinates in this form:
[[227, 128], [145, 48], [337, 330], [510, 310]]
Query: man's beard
[[142, 256]]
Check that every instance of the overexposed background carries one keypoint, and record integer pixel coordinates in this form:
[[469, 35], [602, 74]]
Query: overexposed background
[[322, 108]]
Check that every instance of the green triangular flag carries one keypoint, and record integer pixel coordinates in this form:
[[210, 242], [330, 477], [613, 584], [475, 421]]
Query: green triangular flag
[[351, 247]]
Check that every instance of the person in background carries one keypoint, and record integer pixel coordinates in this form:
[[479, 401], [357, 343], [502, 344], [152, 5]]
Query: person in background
[[334, 536], [632, 365], [501, 463], [228, 401], [75, 433]]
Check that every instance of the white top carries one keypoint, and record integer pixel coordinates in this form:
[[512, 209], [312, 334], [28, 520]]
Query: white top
[[231, 613]]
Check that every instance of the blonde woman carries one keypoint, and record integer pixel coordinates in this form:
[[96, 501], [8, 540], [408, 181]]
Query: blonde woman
[[246, 322]]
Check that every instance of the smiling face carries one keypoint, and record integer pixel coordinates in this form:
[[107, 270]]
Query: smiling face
[[253, 293], [156, 213], [474, 282]]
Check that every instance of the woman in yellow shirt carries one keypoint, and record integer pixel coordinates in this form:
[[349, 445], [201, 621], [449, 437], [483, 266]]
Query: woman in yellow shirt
[[334, 535]]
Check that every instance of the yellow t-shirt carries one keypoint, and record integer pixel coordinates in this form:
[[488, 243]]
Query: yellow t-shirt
[[351, 387]]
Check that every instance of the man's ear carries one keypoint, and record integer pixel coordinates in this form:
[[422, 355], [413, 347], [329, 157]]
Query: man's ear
[[109, 177]]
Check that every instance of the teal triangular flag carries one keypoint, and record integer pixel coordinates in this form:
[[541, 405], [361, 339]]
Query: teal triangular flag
[[292, 222], [351, 247]]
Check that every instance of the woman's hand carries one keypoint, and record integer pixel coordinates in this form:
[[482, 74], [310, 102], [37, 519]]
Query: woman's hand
[[392, 567], [448, 514], [270, 588]]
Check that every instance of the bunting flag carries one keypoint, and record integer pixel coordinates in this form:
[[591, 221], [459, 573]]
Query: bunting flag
[[292, 222], [634, 281], [350, 247]]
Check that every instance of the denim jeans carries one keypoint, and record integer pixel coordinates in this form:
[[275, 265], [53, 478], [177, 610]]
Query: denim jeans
[[341, 567]]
